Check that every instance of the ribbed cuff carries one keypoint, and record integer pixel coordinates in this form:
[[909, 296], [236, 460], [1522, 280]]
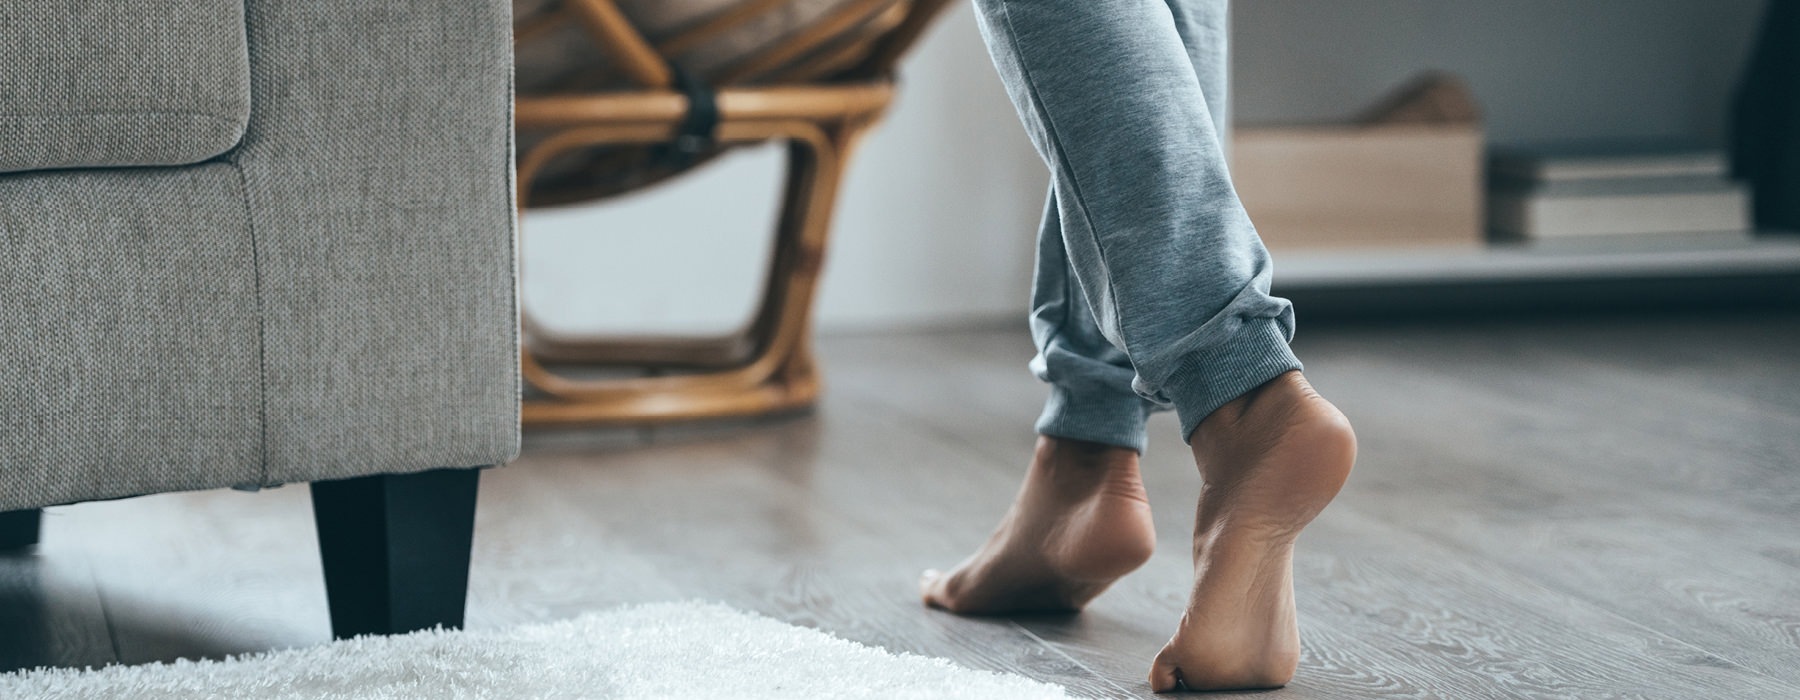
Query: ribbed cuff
[[1212, 377], [1109, 418]]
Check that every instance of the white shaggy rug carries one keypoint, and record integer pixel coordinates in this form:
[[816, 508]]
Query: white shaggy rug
[[663, 650]]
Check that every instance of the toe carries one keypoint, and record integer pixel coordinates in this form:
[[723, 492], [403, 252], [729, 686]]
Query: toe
[[931, 588], [1165, 676]]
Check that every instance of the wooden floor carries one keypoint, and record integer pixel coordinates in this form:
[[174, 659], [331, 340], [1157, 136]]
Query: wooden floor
[[1570, 508]]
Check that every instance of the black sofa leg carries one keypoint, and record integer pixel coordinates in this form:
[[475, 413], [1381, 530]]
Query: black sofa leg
[[396, 549], [19, 528]]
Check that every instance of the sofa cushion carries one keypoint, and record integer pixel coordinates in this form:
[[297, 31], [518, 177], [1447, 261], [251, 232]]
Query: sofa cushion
[[102, 83]]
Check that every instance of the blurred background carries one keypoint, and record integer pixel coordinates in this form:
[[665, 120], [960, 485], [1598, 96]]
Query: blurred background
[[935, 224], [1538, 254]]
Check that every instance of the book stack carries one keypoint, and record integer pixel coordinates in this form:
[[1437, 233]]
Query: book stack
[[1540, 193]]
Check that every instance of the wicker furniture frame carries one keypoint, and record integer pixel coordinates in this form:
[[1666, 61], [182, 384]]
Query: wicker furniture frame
[[768, 368]]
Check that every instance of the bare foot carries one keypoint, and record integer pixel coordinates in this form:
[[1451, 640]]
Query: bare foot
[[1271, 461], [1080, 521]]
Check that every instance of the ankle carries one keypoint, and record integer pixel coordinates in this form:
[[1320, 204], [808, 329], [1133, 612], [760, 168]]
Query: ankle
[[1285, 411], [1077, 469], [1060, 452], [1268, 400]]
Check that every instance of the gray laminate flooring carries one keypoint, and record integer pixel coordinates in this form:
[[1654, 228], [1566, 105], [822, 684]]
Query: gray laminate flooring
[[1580, 507]]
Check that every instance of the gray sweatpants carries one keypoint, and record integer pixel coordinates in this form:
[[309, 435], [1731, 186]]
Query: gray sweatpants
[[1152, 288]]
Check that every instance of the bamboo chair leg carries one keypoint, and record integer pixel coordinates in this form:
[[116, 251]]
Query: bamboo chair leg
[[787, 379], [795, 206], [820, 151]]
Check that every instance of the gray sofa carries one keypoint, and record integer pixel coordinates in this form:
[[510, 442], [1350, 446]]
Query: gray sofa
[[257, 242]]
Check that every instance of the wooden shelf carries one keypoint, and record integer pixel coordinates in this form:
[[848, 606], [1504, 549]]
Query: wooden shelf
[[1609, 272]]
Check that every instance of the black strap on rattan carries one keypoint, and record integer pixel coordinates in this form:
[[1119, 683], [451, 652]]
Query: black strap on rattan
[[699, 130]]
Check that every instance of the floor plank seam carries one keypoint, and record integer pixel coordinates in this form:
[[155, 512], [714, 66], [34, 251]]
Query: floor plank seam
[[106, 614], [1059, 652]]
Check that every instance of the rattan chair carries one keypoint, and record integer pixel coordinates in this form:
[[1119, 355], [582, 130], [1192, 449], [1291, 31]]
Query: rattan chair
[[648, 103]]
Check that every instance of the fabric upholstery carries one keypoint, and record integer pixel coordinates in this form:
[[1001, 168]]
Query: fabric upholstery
[[130, 354], [99, 83], [333, 298], [379, 180]]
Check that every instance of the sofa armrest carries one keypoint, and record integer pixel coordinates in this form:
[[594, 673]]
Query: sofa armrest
[[377, 170]]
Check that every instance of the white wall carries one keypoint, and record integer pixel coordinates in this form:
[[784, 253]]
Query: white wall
[[934, 227], [936, 223]]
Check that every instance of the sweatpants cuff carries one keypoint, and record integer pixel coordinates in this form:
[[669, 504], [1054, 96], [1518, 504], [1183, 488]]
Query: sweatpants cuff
[[1107, 417], [1212, 377]]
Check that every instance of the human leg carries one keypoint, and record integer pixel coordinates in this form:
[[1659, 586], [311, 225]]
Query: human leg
[[1081, 519], [1091, 398], [1171, 267], [1113, 97]]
